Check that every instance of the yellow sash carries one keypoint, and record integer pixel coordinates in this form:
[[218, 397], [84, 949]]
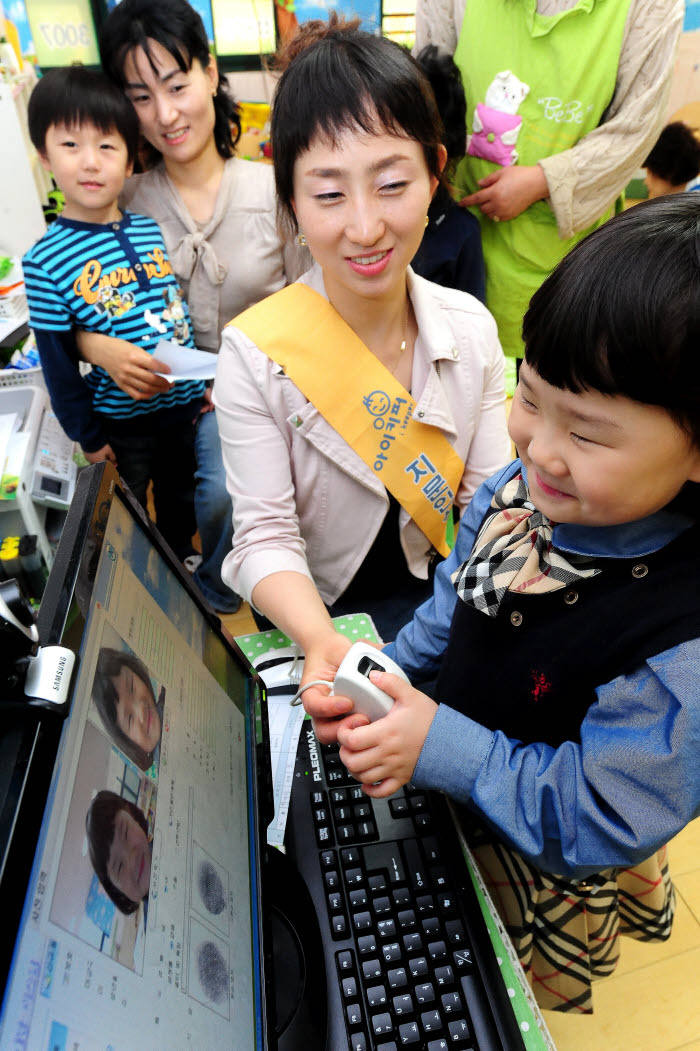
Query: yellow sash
[[299, 329]]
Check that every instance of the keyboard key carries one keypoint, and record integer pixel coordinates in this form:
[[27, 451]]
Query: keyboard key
[[462, 959], [349, 986], [339, 926], [388, 1045], [327, 859], [452, 1003], [321, 816], [362, 921], [418, 967], [350, 856], [458, 1032], [409, 1034], [318, 798], [407, 919], [425, 904], [377, 881], [366, 830], [446, 903], [391, 952], [397, 978], [339, 795], [417, 876], [403, 1004], [382, 905], [431, 849], [438, 877], [386, 928], [342, 813], [371, 970], [367, 944], [355, 793], [455, 932], [401, 896], [381, 1024], [353, 1014], [376, 996], [431, 926], [438, 1045], [385, 857], [419, 803], [345, 833], [334, 776], [437, 951], [424, 993], [362, 810], [331, 879], [422, 822], [398, 807], [335, 902], [358, 1042], [345, 962], [431, 1021], [358, 898], [353, 877], [444, 975], [412, 943], [324, 835]]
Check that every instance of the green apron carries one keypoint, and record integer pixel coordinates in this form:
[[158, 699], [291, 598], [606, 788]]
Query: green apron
[[569, 63]]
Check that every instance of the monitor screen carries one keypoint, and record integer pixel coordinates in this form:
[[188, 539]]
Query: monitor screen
[[141, 921], [63, 32]]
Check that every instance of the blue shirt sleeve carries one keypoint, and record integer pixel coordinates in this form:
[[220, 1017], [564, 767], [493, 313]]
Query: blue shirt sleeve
[[71, 398], [419, 646], [611, 801], [47, 308]]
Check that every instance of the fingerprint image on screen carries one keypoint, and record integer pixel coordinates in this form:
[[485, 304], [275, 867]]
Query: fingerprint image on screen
[[213, 971], [211, 888]]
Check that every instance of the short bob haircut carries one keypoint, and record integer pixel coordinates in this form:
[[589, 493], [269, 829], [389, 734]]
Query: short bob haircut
[[676, 155], [621, 313], [75, 96], [109, 664], [99, 828], [177, 27], [337, 77]]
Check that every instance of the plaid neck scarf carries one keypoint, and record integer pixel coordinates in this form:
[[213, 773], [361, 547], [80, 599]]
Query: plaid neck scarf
[[513, 552]]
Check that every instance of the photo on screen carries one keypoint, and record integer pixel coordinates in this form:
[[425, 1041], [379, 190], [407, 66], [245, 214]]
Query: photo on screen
[[103, 879], [128, 702]]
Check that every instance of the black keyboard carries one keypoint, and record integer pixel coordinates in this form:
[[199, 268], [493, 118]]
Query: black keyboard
[[403, 936]]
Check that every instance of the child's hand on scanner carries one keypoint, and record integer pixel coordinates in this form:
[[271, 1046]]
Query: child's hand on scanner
[[387, 750]]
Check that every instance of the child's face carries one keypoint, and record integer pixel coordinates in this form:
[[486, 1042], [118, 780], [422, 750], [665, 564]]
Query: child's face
[[596, 459], [90, 168], [129, 864], [137, 715]]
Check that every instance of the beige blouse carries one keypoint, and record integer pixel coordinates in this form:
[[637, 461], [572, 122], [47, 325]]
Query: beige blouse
[[230, 262], [583, 181]]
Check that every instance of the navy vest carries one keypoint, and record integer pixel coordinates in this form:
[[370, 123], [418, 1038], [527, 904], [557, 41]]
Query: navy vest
[[531, 671]]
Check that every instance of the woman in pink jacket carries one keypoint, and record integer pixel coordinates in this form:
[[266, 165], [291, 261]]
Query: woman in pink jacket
[[362, 404]]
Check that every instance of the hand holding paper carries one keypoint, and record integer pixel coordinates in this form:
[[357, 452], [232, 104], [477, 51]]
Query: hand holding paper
[[185, 363]]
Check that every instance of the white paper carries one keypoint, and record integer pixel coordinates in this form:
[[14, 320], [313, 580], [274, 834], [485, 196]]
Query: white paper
[[185, 363]]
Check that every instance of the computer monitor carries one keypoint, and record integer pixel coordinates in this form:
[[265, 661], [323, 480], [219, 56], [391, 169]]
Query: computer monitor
[[63, 32], [132, 865]]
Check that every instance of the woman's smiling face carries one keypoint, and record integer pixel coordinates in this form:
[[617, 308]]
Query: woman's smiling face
[[136, 713], [175, 108], [361, 203]]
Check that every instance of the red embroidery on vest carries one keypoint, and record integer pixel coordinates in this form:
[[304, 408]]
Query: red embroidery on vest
[[540, 685]]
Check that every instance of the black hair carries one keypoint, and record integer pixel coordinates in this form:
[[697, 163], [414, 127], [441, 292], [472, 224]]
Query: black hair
[[336, 77], [445, 79], [109, 664], [99, 828], [177, 27], [76, 95], [676, 155], [621, 313]]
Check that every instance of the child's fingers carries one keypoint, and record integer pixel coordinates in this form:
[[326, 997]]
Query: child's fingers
[[364, 766], [391, 684], [384, 788]]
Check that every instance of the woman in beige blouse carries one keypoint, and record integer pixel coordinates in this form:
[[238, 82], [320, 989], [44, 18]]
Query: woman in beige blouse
[[217, 213]]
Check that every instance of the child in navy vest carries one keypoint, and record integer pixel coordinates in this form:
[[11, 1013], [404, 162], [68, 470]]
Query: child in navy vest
[[565, 627]]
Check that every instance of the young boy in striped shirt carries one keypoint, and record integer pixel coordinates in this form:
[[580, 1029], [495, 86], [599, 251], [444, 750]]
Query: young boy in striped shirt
[[104, 270]]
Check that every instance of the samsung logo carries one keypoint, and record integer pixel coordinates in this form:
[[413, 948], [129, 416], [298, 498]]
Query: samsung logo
[[58, 674]]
